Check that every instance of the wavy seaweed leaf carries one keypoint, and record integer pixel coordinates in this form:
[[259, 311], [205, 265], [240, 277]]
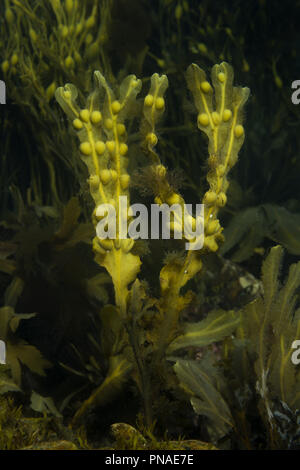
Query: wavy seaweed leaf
[[214, 327], [201, 381]]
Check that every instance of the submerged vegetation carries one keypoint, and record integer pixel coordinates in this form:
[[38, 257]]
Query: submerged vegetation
[[132, 343]]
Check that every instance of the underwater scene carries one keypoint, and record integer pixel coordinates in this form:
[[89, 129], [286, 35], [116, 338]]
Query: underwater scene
[[149, 225]]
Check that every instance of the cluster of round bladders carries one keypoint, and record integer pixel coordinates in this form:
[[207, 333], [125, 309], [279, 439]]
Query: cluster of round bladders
[[203, 118], [158, 102], [95, 117], [215, 198], [107, 175]]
